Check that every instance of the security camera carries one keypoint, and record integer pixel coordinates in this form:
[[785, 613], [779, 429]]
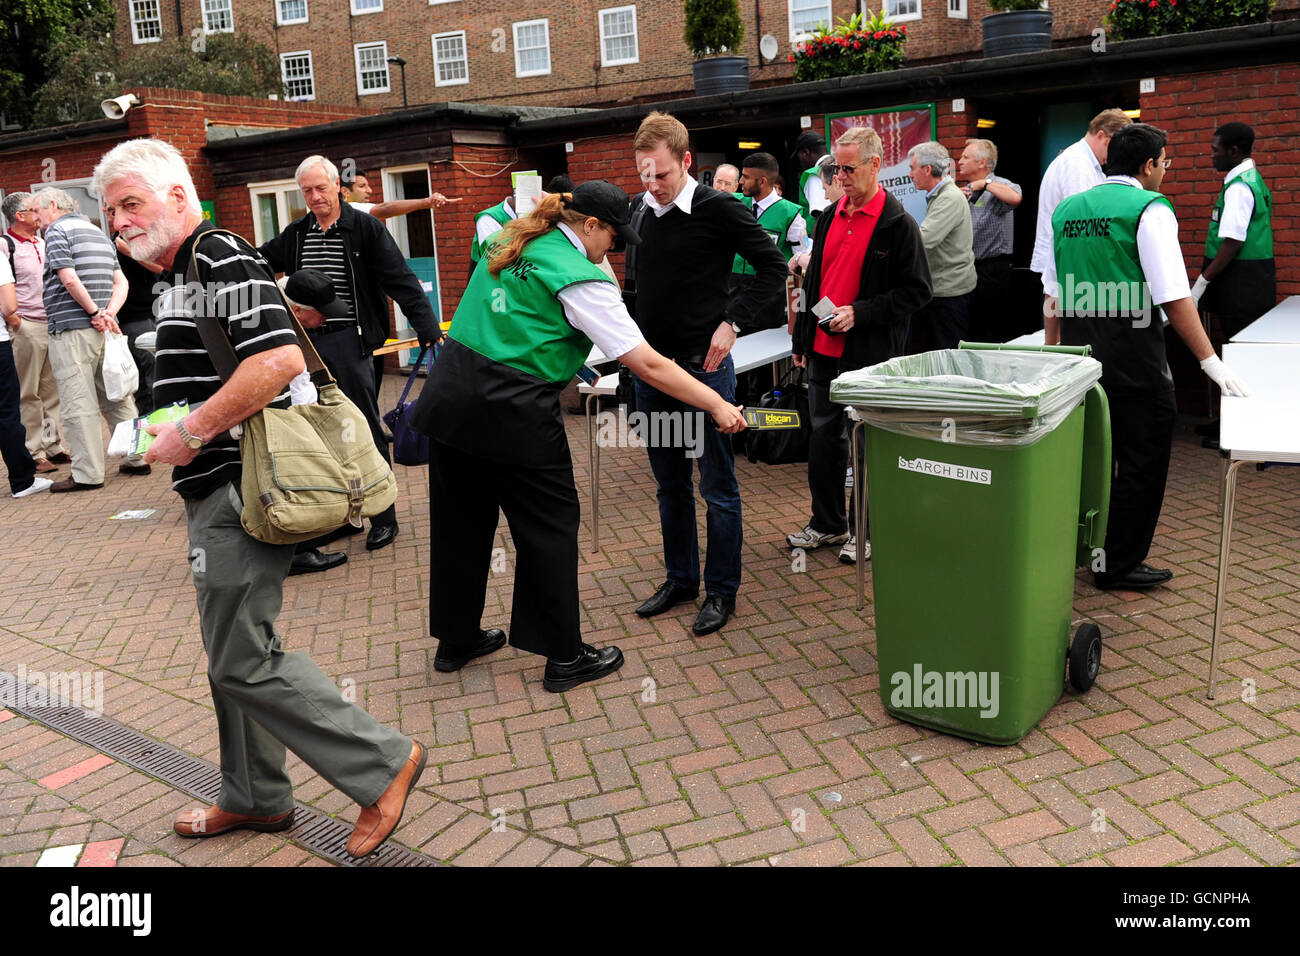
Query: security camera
[[116, 108]]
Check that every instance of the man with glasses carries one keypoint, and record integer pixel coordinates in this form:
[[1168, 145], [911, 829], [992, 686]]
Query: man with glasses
[[1117, 254], [31, 341], [869, 261]]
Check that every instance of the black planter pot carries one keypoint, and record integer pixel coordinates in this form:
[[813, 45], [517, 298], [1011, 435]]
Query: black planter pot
[[1017, 31], [721, 74]]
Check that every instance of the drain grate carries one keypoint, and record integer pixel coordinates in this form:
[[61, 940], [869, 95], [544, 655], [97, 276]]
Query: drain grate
[[312, 830]]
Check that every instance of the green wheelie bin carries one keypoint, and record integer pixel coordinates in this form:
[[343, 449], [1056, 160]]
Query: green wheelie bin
[[988, 474]]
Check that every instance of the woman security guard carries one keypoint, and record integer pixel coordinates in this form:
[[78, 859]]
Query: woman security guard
[[491, 406]]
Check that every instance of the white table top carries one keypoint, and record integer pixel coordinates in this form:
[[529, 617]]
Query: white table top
[[749, 352], [1030, 338], [1264, 426], [1280, 324]]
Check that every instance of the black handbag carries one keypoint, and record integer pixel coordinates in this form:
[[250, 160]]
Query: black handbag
[[781, 446], [410, 447]]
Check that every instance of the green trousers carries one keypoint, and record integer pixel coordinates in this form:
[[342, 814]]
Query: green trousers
[[268, 699]]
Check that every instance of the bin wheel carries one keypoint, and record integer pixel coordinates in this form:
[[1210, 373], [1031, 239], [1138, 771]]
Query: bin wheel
[[1085, 657]]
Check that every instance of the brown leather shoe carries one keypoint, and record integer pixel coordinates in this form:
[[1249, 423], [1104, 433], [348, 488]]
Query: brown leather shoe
[[43, 466], [214, 820], [71, 484], [62, 458], [379, 819], [141, 469]]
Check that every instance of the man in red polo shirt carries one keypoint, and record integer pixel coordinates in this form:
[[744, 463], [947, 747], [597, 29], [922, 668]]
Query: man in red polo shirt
[[868, 260]]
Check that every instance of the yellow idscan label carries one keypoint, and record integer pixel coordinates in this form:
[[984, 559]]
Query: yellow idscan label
[[771, 418]]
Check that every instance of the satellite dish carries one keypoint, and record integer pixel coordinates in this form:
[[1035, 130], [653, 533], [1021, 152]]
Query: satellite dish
[[767, 46]]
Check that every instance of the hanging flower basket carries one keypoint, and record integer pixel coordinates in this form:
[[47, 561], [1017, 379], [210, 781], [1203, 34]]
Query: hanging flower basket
[[1131, 19], [853, 47]]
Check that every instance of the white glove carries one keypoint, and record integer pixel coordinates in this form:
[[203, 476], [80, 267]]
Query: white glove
[[1198, 288], [1224, 377]]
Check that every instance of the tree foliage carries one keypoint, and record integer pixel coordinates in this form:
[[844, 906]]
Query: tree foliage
[[713, 26], [29, 30]]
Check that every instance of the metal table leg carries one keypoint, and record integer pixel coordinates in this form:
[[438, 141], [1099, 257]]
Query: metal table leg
[[593, 470], [1225, 549], [859, 503]]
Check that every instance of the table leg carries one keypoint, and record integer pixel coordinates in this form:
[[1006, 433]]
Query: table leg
[[859, 504], [1225, 549], [1223, 480], [593, 470]]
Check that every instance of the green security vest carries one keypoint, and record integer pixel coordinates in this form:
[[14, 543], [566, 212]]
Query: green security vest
[[1259, 232], [803, 197], [776, 221], [498, 213], [1105, 301], [516, 318]]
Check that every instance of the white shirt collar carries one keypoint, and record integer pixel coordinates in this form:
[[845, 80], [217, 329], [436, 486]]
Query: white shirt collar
[[1237, 170], [573, 238], [760, 205], [510, 210], [1126, 180], [682, 202], [1083, 145]]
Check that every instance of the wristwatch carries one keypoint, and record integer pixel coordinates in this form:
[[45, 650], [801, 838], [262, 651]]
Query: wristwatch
[[192, 441]]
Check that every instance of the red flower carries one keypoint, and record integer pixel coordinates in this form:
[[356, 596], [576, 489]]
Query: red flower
[[1154, 4], [857, 44], [791, 58], [879, 34]]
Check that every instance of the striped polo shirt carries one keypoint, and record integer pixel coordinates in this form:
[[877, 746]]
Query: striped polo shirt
[[240, 289], [74, 242], [324, 252]]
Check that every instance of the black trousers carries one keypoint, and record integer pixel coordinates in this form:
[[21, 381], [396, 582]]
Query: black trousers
[[541, 507], [1142, 433], [941, 324], [143, 363], [828, 452], [353, 368], [991, 315]]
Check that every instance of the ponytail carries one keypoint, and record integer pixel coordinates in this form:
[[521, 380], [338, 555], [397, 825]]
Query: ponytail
[[551, 210]]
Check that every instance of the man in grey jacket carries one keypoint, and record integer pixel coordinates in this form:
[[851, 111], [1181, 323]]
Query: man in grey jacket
[[949, 244]]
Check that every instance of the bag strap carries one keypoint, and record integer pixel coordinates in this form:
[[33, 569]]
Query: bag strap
[[410, 379], [630, 258], [215, 340]]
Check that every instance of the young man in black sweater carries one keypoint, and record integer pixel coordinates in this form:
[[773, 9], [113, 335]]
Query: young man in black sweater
[[690, 235]]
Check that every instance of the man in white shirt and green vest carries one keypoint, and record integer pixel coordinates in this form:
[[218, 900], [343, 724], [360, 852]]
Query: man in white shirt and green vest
[[784, 223], [809, 148], [1238, 280], [1116, 255]]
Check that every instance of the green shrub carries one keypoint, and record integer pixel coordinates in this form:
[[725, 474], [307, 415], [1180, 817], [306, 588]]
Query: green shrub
[[713, 26]]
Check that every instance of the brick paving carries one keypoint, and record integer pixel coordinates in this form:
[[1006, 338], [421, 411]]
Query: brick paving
[[763, 744]]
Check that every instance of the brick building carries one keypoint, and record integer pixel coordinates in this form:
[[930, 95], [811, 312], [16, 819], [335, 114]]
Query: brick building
[[580, 52]]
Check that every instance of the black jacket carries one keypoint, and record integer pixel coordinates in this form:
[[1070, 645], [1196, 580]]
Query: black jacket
[[895, 285], [377, 268]]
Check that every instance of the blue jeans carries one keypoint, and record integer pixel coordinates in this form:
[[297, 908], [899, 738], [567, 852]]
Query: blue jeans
[[672, 470]]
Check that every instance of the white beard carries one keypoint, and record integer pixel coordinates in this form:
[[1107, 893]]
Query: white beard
[[160, 237]]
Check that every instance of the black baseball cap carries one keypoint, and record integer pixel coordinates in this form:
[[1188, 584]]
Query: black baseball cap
[[808, 140], [607, 203], [314, 290]]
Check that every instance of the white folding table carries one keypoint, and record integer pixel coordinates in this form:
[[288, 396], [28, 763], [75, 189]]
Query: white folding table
[[1263, 428], [750, 351], [1279, 325]]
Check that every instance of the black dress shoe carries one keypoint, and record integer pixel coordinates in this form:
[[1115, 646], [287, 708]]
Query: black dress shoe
[[592, 663], [380, 536], [1143, 576], [452, 657], [315, 560], [667, 595], [713, 614]]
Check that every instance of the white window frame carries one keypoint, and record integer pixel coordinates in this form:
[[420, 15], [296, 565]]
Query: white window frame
[[5, 122], [69, 185], [519, 71], [229, 10], [901, 17], [798, 35], [352, 4], [464, 45], [636, 39], [356, 61], [311, 75], [280, 22], [280, 187], [136, 24], [960, 13]]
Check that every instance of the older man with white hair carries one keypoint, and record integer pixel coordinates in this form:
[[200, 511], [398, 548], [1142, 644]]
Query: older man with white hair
[[365, 267], [947, 235], [84, 289], [993, 200], [266, 699]]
